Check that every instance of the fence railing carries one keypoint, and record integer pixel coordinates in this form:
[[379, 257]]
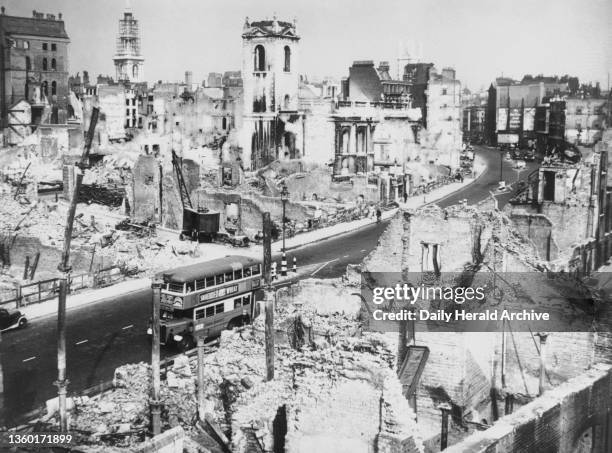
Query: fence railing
[[43, 290]]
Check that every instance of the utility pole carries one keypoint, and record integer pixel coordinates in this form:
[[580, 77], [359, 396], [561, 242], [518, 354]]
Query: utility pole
[[1, 386], [269, 301], [201, 409], [543, 336], [64, 267], [267, 248], [155, 366], [269, 335], [62, 382]]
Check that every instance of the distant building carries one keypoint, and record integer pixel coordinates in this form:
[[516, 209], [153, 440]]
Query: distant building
[[547, 112], [417, 77], [129, 62], [214, 80], [444, 114], [34, 66], [474, 116]]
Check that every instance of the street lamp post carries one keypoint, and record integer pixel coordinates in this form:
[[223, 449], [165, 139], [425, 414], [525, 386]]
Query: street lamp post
[[284, 197]]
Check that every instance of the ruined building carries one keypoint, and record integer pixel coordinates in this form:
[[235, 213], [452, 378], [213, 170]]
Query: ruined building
[[272, 126], [128, 60], [565, 209], [33, 68]]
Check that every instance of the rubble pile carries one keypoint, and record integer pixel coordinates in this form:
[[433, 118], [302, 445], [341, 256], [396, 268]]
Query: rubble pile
[[120, 417], [324, 307]]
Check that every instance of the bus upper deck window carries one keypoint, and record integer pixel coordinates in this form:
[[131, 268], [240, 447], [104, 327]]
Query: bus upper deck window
[[219, 279], [255, 269], [210, 281], [238, 274], [247, 272], [229, 276]]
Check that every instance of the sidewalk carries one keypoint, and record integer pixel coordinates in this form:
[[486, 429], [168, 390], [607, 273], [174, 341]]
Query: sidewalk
[[215, 251]]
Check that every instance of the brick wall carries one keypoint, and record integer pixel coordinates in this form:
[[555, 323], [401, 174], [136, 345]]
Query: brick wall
[[145, 196], [574, 417], [454, 235]]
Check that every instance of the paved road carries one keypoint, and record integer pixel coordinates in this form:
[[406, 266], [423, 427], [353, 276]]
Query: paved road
[[488, 182], [111, 333]]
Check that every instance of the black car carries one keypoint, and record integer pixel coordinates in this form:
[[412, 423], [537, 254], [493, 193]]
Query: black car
[[11, 319]]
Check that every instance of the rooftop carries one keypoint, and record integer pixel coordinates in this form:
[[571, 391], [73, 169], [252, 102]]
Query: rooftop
[[47, 27]]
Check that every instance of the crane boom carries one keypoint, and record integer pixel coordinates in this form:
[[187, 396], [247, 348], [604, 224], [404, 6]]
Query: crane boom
[[185, 199]]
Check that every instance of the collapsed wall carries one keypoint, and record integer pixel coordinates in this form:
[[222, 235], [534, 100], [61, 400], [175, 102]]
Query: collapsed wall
[[463, 367]]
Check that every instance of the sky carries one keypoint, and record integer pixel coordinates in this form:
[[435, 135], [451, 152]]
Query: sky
[[481, 39]]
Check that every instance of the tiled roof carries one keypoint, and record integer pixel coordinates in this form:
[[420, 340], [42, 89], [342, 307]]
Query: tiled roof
[[47, 28]]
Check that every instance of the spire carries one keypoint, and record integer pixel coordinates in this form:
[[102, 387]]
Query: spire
[[128, 6], [247, 24]]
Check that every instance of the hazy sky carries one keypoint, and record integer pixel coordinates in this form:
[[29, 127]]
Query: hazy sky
[[481, 38]]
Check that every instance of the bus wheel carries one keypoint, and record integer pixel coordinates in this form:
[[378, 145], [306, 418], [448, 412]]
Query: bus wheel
[[186, 343]]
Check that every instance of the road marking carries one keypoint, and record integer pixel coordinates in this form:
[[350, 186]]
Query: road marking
[[29, 358], [323, 265], [345, 256], [81, 342], [363, 250], [127, 327]]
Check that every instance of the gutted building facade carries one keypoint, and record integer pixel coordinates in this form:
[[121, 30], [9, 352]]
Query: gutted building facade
[[272, 127], [34, 66]]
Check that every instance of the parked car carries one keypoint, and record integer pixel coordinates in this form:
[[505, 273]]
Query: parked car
[[529, 156], [519, 164], [12, 319]]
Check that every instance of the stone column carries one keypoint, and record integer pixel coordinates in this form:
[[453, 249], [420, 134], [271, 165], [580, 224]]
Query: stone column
[[352, 148]]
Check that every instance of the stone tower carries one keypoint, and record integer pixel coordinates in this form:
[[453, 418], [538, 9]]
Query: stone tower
[[270, 89], [128, 59]]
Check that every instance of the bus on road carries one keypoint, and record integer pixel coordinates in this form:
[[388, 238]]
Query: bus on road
[[201, 300]]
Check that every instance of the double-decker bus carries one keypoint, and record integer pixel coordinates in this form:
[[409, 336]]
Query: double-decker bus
[[201, 300]]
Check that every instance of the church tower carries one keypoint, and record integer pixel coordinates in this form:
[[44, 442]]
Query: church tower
[[270, 92], [128, 60]]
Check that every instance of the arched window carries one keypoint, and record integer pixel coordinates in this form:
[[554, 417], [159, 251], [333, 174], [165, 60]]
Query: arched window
[[53, 88], [28, 64], [53, 64], [135, 71], [287, 59], [45, 88], [224, 123], [260, 58], [44, 64]]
